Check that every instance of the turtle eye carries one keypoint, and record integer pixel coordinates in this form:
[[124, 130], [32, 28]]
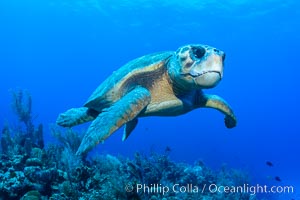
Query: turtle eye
[[198, 52]]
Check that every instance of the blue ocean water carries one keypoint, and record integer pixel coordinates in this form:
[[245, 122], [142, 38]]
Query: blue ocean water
[[60, 51]]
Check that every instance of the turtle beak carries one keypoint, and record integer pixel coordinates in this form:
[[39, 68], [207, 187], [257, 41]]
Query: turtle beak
[[208, 73]]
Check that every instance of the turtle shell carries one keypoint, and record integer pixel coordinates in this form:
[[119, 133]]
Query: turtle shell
[[140, 71]]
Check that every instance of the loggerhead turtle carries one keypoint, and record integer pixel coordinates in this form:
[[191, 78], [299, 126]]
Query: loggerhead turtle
[[160, 84]]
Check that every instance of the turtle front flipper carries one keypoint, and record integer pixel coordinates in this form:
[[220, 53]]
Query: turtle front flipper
[[75, 116], [216, 102], [113, 117]]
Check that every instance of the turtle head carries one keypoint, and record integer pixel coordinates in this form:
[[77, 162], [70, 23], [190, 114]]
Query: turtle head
[[197, 67]]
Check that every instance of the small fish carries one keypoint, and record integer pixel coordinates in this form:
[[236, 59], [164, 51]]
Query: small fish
[[270, 164], [168, 149], [277, 178]]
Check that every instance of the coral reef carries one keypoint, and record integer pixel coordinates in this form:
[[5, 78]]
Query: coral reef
[[31, 170], [16, 140]]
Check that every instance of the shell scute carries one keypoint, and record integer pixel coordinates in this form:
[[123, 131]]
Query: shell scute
[[113, 88]]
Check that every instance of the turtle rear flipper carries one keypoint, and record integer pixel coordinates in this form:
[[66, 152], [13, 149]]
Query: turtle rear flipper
[[112, 118], [129, 127], [75, 116]]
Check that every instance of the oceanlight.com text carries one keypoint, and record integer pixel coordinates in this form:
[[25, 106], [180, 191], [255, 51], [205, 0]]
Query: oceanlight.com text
[[208, 188], [250, 189]]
